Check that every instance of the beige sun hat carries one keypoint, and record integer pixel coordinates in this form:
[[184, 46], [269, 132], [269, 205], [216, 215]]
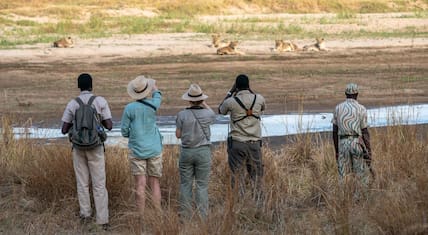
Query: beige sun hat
[[351, 89], [194, 94], [140, 87]]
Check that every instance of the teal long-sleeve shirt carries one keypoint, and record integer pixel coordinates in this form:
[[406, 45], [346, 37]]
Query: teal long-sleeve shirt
[[138, 124]]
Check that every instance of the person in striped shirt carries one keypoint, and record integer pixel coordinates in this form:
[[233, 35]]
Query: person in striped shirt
[[351, 137]]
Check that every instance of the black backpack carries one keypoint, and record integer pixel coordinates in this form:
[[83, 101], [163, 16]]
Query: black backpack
[[87, 131]]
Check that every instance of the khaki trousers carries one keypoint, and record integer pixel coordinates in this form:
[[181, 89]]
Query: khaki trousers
[[89, 166]]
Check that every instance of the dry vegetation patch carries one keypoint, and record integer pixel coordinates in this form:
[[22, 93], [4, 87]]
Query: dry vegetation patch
[[302, 194]]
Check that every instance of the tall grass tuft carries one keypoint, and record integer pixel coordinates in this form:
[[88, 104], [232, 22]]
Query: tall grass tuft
[[346, 15]]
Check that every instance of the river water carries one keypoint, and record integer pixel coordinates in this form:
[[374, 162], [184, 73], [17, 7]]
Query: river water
[[272, 125]]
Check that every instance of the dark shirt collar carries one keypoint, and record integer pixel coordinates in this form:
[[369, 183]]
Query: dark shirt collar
[[195, 107]]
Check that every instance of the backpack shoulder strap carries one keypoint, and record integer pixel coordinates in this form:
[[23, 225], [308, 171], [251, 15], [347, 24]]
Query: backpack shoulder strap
[[91, 100], [148, 104], [79, 101]]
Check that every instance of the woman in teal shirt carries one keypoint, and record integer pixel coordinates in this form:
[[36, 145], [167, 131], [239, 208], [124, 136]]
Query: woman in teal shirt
[[138, 124]]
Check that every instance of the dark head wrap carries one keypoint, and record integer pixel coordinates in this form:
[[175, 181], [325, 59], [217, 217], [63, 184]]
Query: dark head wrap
[[84, 82], [242, 82]]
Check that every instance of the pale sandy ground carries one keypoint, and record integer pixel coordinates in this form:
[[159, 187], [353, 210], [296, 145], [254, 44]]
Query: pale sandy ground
[[105, 49]]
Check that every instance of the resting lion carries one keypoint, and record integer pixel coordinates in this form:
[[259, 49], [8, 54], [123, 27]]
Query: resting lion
[[217, 42], [230, 49], [318, 46], [64, 43], [281, 45]]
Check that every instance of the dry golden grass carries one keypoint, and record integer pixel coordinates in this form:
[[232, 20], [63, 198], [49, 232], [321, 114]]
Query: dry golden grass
[[302, 196], [225, 6]]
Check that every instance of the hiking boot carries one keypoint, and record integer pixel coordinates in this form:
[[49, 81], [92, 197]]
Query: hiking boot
[[106, 227], [85, 219], [95, 228]]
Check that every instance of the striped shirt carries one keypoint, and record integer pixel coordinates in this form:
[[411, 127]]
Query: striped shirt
[[350, 117]]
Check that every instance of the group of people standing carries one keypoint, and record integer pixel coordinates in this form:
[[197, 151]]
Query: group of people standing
[[244, 142]]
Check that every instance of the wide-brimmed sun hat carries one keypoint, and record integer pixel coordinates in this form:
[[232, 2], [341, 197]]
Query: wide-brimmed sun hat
[[140, 87], [351, 89], [194, 94]]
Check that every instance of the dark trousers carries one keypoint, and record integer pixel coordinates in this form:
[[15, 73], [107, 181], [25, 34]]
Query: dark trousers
[[246, 156]]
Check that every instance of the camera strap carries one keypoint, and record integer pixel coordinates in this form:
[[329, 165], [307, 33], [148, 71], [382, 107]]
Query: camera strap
[[248, 112]]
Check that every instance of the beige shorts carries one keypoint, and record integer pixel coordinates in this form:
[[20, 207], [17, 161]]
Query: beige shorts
[[150, 167]]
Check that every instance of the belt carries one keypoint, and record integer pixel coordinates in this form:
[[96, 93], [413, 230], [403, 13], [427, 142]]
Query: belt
[[248, 141], [188, 147], [348, 136]]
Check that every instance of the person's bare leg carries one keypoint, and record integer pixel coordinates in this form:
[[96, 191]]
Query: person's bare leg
[[140, 192], [156, 192]]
